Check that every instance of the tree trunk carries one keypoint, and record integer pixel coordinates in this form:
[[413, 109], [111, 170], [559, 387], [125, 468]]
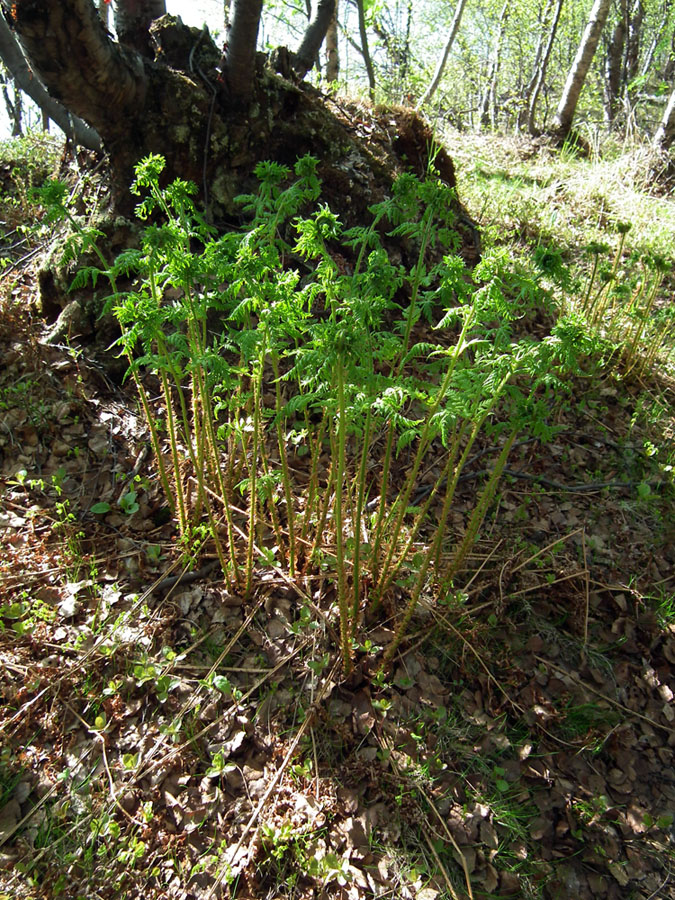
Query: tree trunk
[[656, 39], [536, 65], [104, 11], [14, 106], [669, 68], [15, 61], [541, 73], [614, 65], [365, 49], [636, 19], [132, 22], [440, 68], [405, 62], [332, 56], [241, 46], [488, 110], [313, 37], [665, 134], [562, 122]]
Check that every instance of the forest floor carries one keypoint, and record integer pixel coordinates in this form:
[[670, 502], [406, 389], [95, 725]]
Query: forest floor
[[162, 737]]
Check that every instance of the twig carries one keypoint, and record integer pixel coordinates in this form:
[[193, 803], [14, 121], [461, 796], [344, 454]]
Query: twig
[[580, 488], [99, 736], [538, 587], [616, 703], [386, 747], [326, 688], [180, 748], [446, 877], [657, 892], [41, 802], [588, 589], [544, 549]]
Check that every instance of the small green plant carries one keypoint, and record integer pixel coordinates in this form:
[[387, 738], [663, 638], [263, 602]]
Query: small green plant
[[293, 853]]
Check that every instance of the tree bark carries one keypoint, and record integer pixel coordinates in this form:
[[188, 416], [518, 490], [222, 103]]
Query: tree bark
[[536, 65], [314, 36], [614, 65], [541, 74], [632, 60], [104, 11], [239, 63], [176, 105], [14, 107], [365, 50], [332, 55], [562, 122], [665, 133], [15, 61], [440, 67], [132, 22], [658, 32]]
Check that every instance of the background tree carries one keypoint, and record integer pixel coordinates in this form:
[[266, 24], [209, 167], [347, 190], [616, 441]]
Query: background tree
[[438, 74], [332, 47], [163, 88], [534, 87], [132, 22], [614, 63], [489, 102], [665, 133], [562, 122], [365, 49], [11, 94], [444, 51]]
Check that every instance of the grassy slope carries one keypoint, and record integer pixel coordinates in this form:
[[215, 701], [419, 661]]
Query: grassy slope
[[529, 733]]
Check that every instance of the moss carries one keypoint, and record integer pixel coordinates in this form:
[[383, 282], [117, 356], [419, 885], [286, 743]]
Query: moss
[[181, 134]]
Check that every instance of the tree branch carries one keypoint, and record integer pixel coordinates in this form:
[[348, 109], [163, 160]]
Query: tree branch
[[15, 61], [313, 37], [79, 63], [364, 48]]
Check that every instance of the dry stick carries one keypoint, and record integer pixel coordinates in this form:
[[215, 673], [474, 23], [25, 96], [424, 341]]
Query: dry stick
[[99, 736], [285, 578], [588, 589], [192, 701], [544, 549], [101, 640], [668, 729], [482, 565], [311, 730], [657, 891], [499, 686], [386, 747], [41, 802], [326, 689], [50, 846], [228, 712], [538, 587], [468, 643], [20, 712], [452, 891]]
